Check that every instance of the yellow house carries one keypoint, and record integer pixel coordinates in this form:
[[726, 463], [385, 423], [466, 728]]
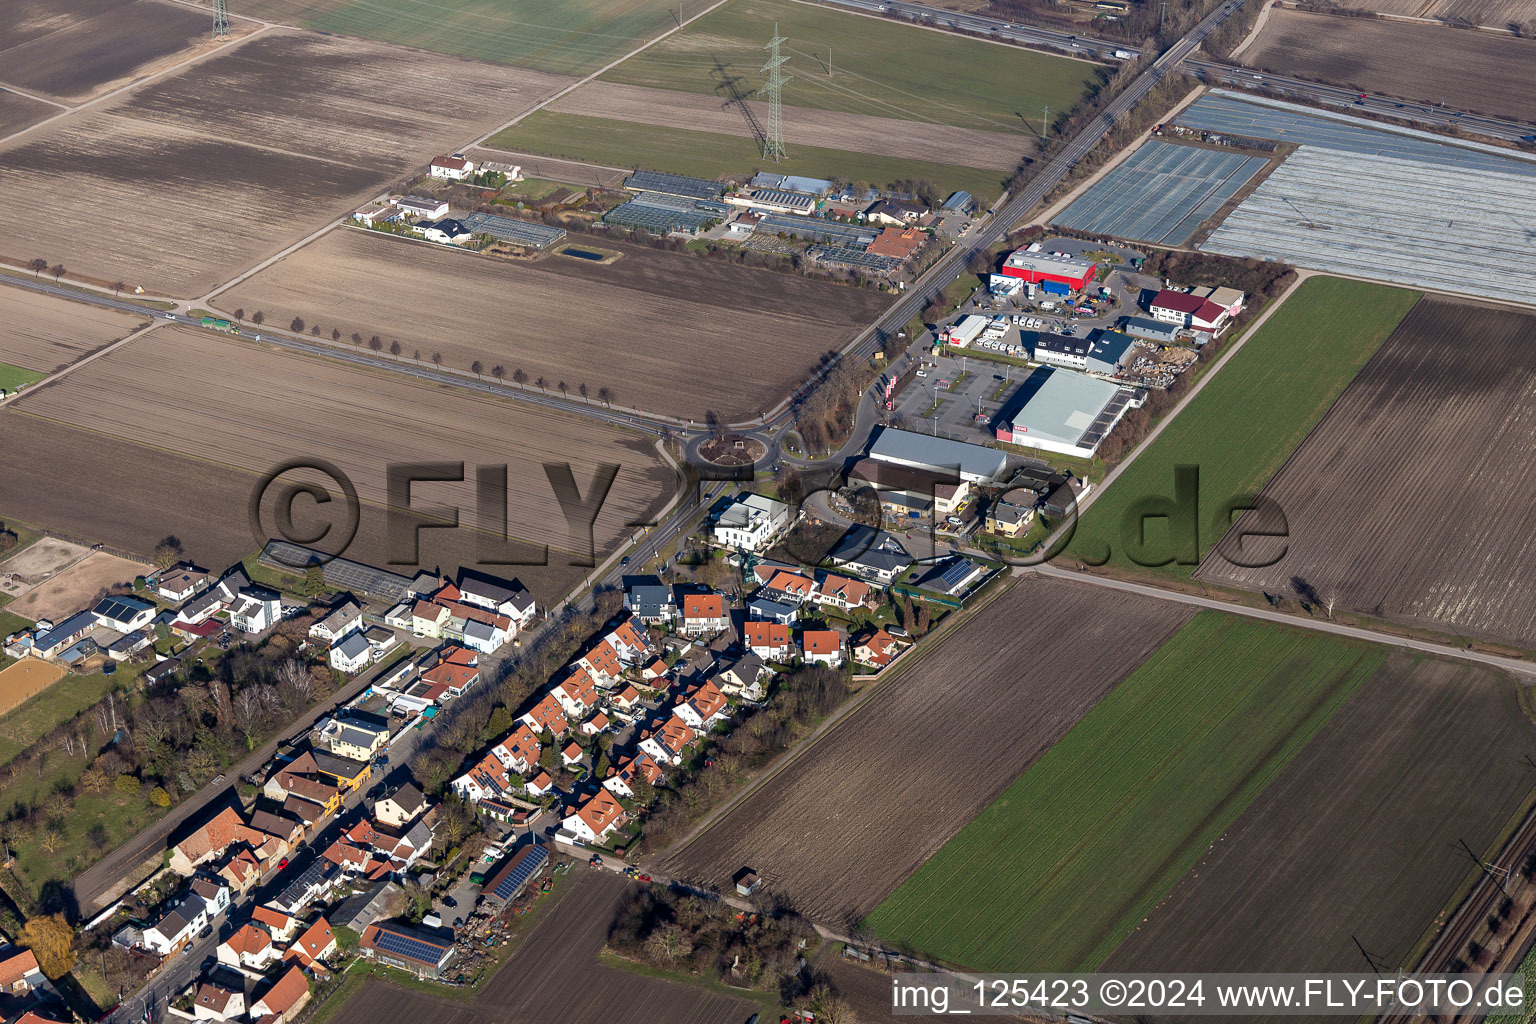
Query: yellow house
[[349, 774], [1009, 520]]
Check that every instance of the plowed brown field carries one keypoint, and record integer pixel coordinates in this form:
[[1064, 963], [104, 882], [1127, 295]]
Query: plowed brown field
[[358, 420], [1410, 500], [71, 50], [1485, 72], [665, 332], [840, 827], [185, 180], [17, 112], [1489, 13], [44, 332], [1358, 838]]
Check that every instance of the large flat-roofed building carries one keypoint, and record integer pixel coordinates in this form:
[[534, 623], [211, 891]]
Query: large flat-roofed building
[[674, 185], [1064, 412], [1038, 267], [518, 232], [972, 462], [1185, 309]]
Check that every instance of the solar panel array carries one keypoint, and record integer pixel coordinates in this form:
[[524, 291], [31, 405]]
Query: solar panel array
[[1162, 193], [518, 232], [957, 574], [674, 184], [1106, 419], [527, 865], [1230, 115], [408, 947], [848, 256]]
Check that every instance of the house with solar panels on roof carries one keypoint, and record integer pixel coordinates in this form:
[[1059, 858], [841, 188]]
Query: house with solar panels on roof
[[422, 953]]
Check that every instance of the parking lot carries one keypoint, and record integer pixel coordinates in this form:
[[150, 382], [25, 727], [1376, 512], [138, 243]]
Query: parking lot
[[960, 397]]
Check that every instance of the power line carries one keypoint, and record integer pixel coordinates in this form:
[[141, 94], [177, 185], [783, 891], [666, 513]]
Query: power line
[[773, 90], [220, 19]]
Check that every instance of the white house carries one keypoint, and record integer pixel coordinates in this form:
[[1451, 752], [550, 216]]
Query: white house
[[452, 168], [504, 597], [597, 819], [1184, 309], [123, 612], [180, 584], [352, 654], [751, 523], [177, 928], [447, 230], [822, 647], [214, 892], [255, 609], [422, 208], [667, 744], [215, 1002], [343, 619], [250, 947], [704, 615]]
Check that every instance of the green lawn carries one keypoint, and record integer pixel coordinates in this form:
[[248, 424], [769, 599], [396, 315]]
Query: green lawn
[[1060, 868], [1250, 416], [880, 67], [709, 155], [37, 717], [573, 37], [14, 377]]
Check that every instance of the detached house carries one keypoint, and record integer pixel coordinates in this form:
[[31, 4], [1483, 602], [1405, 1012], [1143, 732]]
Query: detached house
[[622, 779], [283, 1001], [666, 745], [768, 640], [503, 597], [703, 707], [822, 647], [19, 973], [352, 654], [180, 584], [577, 694], [843, 593], [704, 615], [255, 609], [877, 648], [546, 714], [311, 948], [654, 604], [751, 523], [341, 620], [597, 819], [249, 947], [452, 168]]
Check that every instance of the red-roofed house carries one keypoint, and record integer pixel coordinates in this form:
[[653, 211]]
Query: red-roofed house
[[452, 168], [703, 707], [577, 692], [768, 640], [822, 647], [520, 750], [598, 723], [621, 779], [630, 641], [603, 663], [877, 648], [793, 587], [278, 924], [897, 243], [208, 842], [19, 973], [1187, 310], [284, 999], [250, 946], [317, 943], [597, 819], [704, 615], [666, 745], [843, 593], [572, 754], [546, 714]]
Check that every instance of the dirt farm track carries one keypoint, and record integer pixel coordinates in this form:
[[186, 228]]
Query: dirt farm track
[[1485, 72], [1410, 500], [554, 979], [847, 821], [1357, 837], [242, 153], [666, 332]]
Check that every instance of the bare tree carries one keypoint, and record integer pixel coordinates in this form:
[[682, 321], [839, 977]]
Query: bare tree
[[118, 286], [57, 270], [561, 386], [374, 344], [437, 359], [335, 333], [520, 377], [357, 339], [581, 389], [394, 349], [542, 385], [315, 330], [476, 367], [258, 318], [296, 325], [37, 266], [498, 371], [605, 396]]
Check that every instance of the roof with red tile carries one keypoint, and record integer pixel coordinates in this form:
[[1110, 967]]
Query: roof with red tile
[[703, 606]]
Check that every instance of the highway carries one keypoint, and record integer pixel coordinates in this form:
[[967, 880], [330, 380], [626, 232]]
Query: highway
[[1207, 70]]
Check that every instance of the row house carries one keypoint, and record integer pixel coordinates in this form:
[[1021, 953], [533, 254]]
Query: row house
[[622, 778], [703, 707], [577, 694], [547, 714], [596, 819], [768, 640], [667, 744]]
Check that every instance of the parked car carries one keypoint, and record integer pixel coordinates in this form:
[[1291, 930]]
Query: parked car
[[449, 901]]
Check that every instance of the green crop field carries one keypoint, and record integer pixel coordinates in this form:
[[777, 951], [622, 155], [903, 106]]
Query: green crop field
[[887, 68], [13, 377], [573, 37], [710, 155], [1075, 853], [1251, 416]]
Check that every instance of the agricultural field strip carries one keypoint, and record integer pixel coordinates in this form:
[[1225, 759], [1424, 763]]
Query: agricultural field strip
[[713, 317], [972, 719], [1161, 194], [863, 133], [1497, 14], [1488, 73], [1365, 216], [1261, 118], [296, 95], [1283, 379], [895, 70], [1356, 837], [43, 332], [1128, 800], [1451, 390], [342, 414]]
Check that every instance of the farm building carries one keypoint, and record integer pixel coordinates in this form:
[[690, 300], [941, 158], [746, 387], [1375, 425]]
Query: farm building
[[423, 954], [452, 168], [1064, 412], [1186, 309], [897, 243], [1047, 269], [859, 259], [792, 183], [1060, 350], [944, 489], [775, 201], [512, 877], [421, 207], [516, 232], [674, 185], [971, 462], [959, 202], [815, 230], [375, 213]]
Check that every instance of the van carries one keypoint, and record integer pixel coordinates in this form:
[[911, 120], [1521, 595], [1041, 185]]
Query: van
[[922, 373]]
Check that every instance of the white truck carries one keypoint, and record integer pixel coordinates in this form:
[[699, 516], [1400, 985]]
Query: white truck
[[1123, 55]]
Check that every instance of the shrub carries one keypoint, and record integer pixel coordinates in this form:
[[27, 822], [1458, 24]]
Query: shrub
[[127, 784]]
